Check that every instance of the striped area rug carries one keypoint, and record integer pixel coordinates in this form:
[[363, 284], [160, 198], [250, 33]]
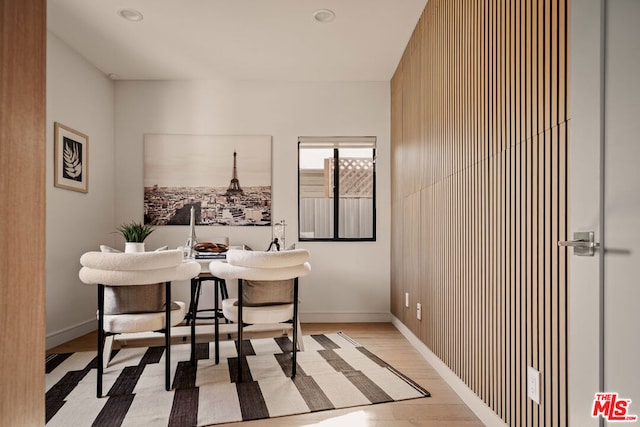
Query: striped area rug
[[333, 372]]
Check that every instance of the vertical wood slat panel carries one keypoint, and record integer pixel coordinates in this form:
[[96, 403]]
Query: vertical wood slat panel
[[466, 203], [525, 297], [521, 410], [552, 285], [411, 255], [426, 272], [479, 146], [522, 70], [502, 291], [540, 72], [476, 53], [396, 299], [549, 104], [509, 252], [427, 99]]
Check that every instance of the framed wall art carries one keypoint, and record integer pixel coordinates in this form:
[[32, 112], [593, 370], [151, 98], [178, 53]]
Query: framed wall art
[[71, 159], [226, 179]]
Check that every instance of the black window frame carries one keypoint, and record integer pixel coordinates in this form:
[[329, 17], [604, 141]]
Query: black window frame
[[336, 196]]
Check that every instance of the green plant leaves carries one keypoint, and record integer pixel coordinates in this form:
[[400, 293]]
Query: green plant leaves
[[135, 231]]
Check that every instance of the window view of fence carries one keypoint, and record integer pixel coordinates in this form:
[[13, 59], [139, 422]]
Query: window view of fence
[[337, 202]]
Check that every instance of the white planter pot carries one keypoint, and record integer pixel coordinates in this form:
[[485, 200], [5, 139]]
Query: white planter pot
[[132, 247]]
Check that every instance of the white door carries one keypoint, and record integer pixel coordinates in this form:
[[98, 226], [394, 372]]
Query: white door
[[622, 201], [604, 189]]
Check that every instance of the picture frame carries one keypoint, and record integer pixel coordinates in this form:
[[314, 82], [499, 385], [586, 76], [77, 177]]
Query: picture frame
[[225, 180], [71, 159]]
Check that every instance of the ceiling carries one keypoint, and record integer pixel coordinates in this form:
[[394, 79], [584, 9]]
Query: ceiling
[[276, 40]]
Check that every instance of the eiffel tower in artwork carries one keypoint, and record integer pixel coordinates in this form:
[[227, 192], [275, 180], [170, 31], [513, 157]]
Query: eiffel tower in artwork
[[234, 186]]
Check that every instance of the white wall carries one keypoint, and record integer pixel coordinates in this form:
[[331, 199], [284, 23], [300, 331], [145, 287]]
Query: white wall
[[350, 280], [81, 97]]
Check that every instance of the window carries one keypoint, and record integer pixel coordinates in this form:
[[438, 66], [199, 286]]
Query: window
[[336, 188]]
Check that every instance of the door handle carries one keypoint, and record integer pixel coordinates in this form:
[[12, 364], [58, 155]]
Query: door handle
[[578, 244], [583, 243]]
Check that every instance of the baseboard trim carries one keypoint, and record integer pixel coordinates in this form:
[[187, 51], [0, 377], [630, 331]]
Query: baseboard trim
[[345, 317], [482, 411], [67, 334]]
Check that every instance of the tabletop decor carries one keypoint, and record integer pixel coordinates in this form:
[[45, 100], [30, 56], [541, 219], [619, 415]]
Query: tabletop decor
[[134, 234], [334, 372], [192, 240], [71, 159], [278, 236]]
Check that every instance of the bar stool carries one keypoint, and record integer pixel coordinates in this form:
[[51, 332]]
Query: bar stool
[[205, 276]]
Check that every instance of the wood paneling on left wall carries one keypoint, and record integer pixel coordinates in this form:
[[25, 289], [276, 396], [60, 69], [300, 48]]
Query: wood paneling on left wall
[[22, 210]]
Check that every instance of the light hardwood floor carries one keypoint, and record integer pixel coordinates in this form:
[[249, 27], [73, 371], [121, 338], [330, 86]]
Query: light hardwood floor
[[444, 407]]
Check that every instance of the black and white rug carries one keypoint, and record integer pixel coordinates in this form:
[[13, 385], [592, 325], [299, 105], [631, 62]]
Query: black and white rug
[[333, 372]]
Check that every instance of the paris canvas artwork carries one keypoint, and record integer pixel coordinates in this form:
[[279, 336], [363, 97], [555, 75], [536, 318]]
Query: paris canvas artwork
[[225, 178]]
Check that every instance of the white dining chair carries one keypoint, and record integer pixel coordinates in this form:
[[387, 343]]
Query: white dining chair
[[134, 295], [267, 291]]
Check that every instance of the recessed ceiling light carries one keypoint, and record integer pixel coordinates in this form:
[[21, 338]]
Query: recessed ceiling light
[[131, 15], [324, 15]]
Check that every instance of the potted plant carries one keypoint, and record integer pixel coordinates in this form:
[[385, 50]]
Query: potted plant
[[134, 234]]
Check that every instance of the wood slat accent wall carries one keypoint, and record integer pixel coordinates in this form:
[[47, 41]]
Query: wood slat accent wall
[[479, 197]]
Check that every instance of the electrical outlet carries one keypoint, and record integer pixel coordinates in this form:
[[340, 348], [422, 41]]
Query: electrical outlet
[[406, 299], [533, 384], [419, 311]]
